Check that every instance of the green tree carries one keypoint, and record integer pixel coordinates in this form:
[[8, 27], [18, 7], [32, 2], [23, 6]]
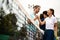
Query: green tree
[[23, 33], [58, 28], [7, 23]]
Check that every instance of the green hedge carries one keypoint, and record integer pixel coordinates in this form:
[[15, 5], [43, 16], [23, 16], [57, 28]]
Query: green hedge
[[4, 37]]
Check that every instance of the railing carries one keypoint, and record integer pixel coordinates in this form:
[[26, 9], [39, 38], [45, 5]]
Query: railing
[[31, 28], [22, 20]]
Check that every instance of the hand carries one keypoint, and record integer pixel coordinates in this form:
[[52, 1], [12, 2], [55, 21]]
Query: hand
[[29, 21], [36, 17]]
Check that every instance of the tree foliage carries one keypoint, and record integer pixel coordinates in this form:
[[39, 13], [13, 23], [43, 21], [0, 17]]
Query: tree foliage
[[58, 28], [7, 23], [23, 32]]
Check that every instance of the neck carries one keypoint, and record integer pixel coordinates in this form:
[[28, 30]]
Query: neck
[[46, 17], [50, 15]]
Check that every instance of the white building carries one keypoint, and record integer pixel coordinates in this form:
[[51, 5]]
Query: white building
[[11, 6]]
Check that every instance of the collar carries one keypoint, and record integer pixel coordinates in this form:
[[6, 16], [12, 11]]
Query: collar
[[51, 16]]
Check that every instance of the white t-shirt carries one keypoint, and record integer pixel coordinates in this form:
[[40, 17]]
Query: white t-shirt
[[50, 22]]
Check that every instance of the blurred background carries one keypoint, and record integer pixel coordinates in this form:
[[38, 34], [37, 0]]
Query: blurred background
[[13, 22]]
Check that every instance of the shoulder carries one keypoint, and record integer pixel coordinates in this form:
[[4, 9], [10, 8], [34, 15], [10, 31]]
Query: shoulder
[[32, 15], [54, 18], [46, 18]]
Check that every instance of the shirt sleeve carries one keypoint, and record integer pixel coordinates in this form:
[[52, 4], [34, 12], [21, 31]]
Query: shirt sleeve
[[32, 16], [55, 20]]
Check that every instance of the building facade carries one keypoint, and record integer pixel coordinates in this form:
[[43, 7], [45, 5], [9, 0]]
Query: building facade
[[11, 6]]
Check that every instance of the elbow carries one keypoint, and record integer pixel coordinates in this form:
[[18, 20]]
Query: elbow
[[42, 23]]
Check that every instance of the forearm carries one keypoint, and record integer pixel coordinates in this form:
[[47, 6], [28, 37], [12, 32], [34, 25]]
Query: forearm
[[55, 29], [42, 22]]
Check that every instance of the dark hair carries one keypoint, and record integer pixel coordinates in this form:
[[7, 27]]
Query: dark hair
[[36, 6], [45, 12], [52, 11], [41, 16]]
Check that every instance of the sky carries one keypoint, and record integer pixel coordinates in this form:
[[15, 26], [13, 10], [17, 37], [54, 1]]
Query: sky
[[45, 5]]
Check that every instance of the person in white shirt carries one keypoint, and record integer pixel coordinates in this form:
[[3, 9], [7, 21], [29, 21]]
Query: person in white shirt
[[51, 25]]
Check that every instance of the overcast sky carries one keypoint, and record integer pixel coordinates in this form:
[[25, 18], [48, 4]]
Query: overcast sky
[[45, 5]]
